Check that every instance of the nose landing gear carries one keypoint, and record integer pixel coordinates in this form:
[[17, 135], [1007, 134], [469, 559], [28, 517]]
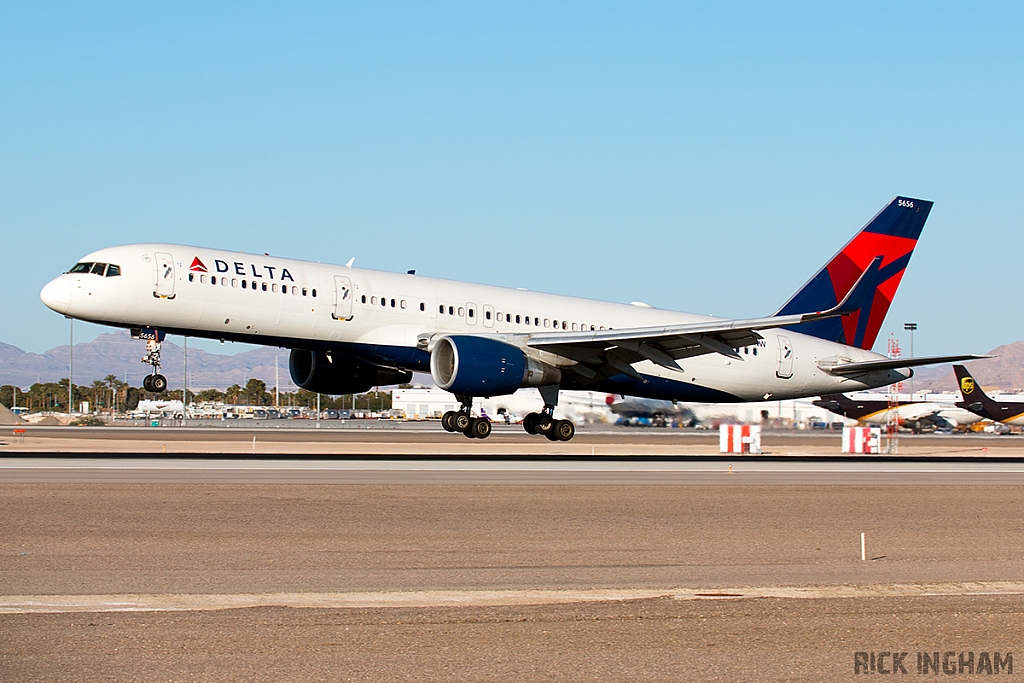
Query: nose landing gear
[[155, 382]]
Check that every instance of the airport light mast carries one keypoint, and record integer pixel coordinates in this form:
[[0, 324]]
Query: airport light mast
[[910, 327], [71, 362], [892, 426]]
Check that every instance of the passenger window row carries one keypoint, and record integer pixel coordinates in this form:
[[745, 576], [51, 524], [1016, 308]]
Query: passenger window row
[[547, 322], [102, 269], [470, 312], [518, 319], [254, 286], [395, 303], [460, 311]]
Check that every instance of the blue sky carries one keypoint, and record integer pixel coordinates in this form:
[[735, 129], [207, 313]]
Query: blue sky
[[704, 157]]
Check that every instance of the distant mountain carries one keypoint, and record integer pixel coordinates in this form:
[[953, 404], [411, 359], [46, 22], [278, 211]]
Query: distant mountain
[[116, 353], [1005, 372]]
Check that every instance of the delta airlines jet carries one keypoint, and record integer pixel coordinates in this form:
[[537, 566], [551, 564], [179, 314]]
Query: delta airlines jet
[[350, 329]]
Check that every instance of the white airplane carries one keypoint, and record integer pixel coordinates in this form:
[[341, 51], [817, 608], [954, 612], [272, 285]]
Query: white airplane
[[350, 329]]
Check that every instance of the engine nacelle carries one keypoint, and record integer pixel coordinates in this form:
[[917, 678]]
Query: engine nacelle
[[478, 366], [339, 374]]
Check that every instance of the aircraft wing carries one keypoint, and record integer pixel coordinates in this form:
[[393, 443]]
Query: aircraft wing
[[665, 344]]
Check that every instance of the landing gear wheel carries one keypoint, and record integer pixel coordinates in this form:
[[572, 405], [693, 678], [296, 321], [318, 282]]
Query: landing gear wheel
[[460, 421], [564, 430], [479, 428], [158, 383], [530, 423], [544, 424], [447, 421], [147, 383]]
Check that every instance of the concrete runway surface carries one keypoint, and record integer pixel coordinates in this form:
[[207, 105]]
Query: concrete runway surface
[[373, 438], [321, 569], [435, 582]]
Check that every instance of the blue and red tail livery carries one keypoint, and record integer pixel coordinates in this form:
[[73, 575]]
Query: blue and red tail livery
[[891, 234]]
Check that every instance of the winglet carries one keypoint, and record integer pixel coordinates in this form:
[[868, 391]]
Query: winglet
[[856, 298]]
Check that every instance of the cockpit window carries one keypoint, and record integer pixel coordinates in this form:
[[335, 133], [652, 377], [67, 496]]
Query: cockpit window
[[113, 271], [81, 268], [99, 268]]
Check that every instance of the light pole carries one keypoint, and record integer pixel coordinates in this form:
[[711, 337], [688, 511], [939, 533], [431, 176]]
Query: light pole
[[910, 327], [184, 384], [71, 362]]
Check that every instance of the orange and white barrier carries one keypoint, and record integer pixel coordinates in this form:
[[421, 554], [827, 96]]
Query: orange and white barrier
[[739, 439], [862, 440]]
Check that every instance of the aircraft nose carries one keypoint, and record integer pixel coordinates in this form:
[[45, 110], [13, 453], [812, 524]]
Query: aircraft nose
[[57, 294]]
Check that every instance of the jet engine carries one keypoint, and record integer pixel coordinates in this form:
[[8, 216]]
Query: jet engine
[[478, 366], [337, 373]]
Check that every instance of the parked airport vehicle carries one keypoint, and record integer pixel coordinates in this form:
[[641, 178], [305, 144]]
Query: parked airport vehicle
[[158, 408], [979, 403], [351, 329]]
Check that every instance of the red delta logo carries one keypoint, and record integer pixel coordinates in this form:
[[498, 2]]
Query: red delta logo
[[198, 266]]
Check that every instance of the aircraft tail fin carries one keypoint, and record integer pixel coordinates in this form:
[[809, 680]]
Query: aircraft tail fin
[[969, 387], [877, 256]]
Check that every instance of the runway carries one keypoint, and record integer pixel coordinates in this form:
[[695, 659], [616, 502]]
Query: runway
[[373, 439], [406, 566], [662, 471]]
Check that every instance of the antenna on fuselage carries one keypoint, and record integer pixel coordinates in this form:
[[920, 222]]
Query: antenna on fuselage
[[350, 262]]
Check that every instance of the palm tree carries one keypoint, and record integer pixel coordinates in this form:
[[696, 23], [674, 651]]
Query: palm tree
[[98, 387], [111, 380]]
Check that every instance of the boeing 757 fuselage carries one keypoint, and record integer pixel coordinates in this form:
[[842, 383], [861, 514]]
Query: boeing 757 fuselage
[[350, 329]]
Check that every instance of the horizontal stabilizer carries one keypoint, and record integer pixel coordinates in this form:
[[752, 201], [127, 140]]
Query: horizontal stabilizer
[[865, 366]]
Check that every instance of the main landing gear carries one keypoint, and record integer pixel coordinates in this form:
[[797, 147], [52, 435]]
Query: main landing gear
[[461, 421], [155, 382], [543, 422]]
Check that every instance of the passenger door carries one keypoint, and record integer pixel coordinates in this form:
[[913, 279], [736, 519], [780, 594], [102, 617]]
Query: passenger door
[[164, 275], [785, 370], [343, 297]]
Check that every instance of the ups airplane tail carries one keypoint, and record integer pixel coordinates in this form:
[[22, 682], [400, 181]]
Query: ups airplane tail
[[891, 235], [969, 388], [980, 403]]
